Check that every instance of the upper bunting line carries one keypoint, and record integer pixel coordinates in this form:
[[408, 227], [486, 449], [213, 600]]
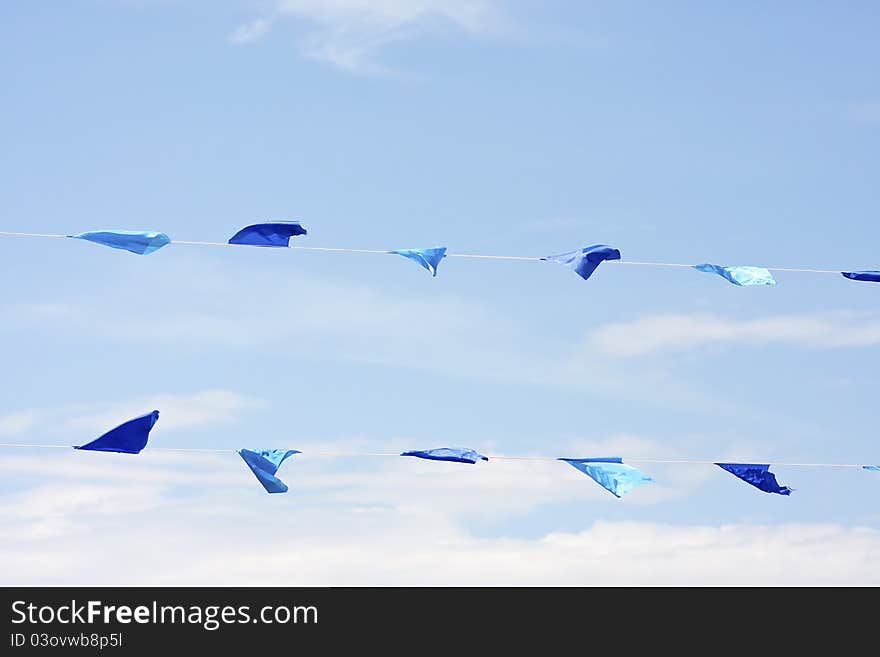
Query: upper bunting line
[[448, 255], [583, 261], [497, 457]]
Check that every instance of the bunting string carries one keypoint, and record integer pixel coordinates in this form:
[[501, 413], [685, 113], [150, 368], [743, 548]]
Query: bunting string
[[494, 457], [583, 261], [610, 472]]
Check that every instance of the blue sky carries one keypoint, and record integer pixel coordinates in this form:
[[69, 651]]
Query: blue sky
[[686, 132]]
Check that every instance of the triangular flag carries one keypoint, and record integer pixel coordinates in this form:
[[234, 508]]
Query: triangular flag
[[611, 473], [758, 475], [584, 261], [869, 276], [275, 233], [264, 463], [454, 454], [139, 242], [427, 258], [741, 275], [128, 438]]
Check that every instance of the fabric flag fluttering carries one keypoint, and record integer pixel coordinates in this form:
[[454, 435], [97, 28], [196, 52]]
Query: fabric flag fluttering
[[742, 275], [453, 454], [758, 475], [128, 438], [275, 233], [611, 473], [139, 242], [872, 468], [584, 261], [869, 276], [427, 258], [264, 463]]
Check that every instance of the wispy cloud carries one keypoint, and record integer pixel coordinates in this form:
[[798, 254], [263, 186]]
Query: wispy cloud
[[251, 31], [354, 322], [682, 332], [391, 544], [178, 411], [16, 423], [341, 322], [349, 33]]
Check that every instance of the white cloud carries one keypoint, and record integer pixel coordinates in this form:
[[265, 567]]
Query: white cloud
[[126, 535], [13, 424], [349, 33], [110, 519], [48, 511], [251, 31], [682, 332], [468, 14], [178, 411]]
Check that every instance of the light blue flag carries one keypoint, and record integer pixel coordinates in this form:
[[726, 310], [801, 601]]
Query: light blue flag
[[584, 261], [264, 463], [427, 258], [742, 275], [135, 241], [872, 468], [611, 473]]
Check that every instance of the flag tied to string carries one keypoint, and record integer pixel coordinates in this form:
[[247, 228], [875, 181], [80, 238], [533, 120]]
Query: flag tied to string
[[453, 454], [742, 275], [868, 276], [584, 261], [135, 241], [273, 233], [128, 438], [427, 258], [758, 475], [264, 463], [611, 473]]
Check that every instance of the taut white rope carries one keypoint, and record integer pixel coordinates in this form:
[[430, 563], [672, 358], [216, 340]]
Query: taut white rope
[[5, 234], [448, 255], [490, 456]]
